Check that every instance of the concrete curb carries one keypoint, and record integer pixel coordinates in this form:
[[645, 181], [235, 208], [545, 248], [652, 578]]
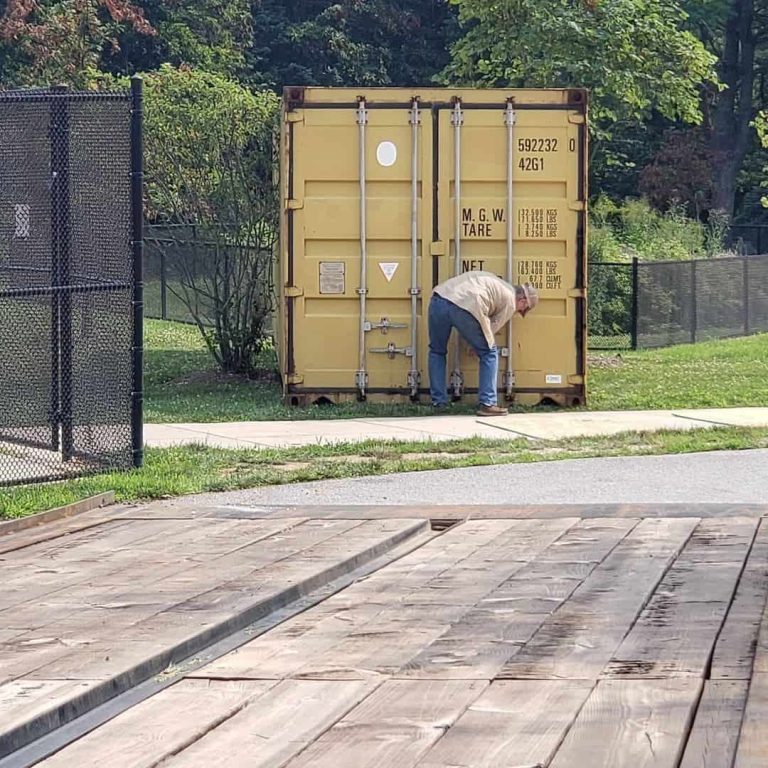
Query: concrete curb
[[44, 723], [60, 513]]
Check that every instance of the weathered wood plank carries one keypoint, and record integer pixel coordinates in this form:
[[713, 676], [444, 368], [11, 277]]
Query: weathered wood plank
[[307, 561], [753, 741], [676, 632], [160, 726], [631, 724], [715, 734], [579, 639], [76, 622], [514, 723], [481, 642], [526, 512], [379, 649], [281, 652], [272, 729], [394, 726], [24, 700], [43, 522], [130, 557], [735, 649]]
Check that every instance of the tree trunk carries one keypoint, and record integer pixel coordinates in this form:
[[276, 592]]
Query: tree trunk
[[734, 110]]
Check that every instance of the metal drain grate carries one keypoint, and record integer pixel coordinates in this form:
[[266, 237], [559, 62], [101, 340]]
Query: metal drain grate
[[442, 523]]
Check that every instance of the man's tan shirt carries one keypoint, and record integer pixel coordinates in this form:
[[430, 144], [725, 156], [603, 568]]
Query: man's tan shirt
[[488, 298]]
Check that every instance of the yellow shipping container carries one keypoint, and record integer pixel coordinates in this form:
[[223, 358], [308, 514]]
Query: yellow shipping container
[[388, 192]]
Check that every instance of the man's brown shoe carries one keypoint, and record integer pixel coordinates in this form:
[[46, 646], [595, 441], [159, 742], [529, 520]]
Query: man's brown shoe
[[491, 410]]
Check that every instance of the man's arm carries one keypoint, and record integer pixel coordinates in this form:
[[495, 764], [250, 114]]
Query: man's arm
[[501, 318]]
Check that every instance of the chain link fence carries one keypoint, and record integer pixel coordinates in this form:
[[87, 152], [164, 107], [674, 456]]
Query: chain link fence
[[195, 273], [748, 239], [657, 304], [70, 283]]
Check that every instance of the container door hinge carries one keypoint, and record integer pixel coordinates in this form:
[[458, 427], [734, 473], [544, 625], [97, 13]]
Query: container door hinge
[[392, 350], [577, 293], [294, 378], [294, 116], [292, 292], [508, 380], [576, 118], [576, 379], [294, 205], [384, 325]]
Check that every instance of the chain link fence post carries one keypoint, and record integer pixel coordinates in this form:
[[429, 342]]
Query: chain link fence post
[[137, 211], [635, 299]]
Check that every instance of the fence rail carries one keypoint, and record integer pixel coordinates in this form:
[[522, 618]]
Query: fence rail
[[656, 304]]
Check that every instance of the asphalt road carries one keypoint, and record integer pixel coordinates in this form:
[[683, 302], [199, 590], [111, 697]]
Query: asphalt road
[[717, 477]]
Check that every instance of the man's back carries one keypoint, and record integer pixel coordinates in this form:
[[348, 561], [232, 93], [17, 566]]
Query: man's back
[[482, 294]]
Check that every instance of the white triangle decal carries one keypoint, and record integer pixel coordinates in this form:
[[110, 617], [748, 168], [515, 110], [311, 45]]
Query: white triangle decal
[[389, 268]]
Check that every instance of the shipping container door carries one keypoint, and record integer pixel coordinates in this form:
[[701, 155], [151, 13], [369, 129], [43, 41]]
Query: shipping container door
[[358, 178], [491, 155]]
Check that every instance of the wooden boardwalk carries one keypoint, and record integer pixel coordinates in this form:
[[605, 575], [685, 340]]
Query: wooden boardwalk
[[560, 641]]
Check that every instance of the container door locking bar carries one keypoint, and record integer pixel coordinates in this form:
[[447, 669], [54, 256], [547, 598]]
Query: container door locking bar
[[457, 120], [510, 118], [361, 375], [392, 350], [414, 376], [383, 325]]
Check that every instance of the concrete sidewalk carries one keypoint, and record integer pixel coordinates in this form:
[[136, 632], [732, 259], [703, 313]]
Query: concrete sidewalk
[[552, 425]]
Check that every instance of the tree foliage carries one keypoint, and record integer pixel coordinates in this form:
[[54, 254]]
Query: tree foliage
[[682, 172], [63, 41], [350, 42], [634, 55], [210, 35], [210, 161]]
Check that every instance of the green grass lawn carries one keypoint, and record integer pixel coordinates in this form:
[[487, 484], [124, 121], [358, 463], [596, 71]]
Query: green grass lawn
[[713, 374], [194, 469], [182, 384]]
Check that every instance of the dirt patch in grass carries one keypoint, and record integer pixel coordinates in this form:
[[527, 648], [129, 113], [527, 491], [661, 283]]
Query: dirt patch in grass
[[605, 361], [439, 455], [217, 378]]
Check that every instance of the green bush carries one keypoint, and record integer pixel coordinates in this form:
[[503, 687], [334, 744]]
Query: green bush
[[210, 162], [634, 229]]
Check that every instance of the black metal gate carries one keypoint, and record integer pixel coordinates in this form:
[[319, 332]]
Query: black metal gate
[[70, 283]]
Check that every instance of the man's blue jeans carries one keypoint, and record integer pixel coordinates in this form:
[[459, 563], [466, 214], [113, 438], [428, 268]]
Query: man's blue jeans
[[443, 317]]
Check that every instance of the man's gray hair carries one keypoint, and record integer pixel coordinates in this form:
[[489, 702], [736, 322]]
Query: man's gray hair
[[529, 293]]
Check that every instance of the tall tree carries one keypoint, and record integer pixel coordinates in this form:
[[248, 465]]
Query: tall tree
[[212, 35], [64, 40], [734, 30], [634, 55], [350, 42]]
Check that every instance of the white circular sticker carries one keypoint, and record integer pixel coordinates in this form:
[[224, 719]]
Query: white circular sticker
[[386, 154]]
